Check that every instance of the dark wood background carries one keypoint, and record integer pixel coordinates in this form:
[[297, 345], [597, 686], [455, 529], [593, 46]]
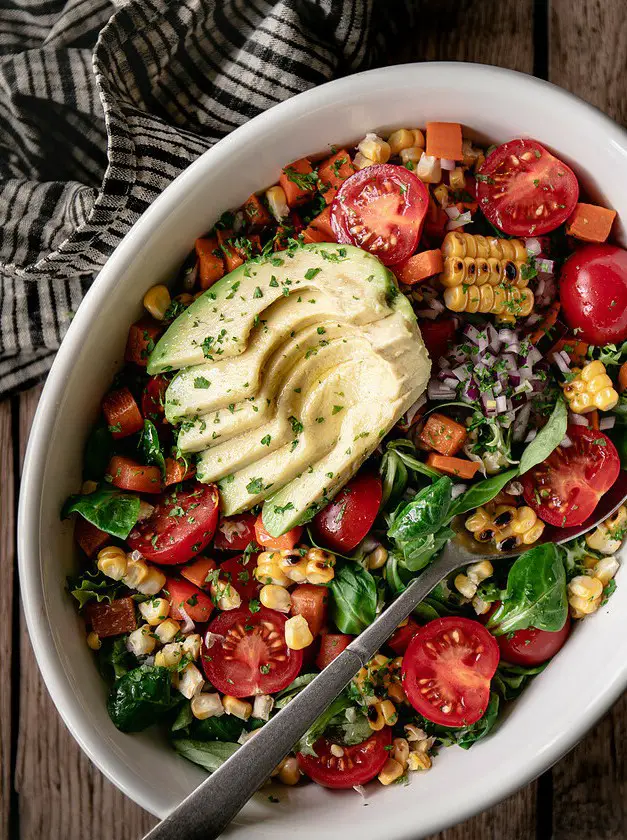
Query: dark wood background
[[48, 788]]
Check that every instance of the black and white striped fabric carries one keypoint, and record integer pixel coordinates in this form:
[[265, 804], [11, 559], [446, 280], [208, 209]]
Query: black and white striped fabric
[[103, 103]]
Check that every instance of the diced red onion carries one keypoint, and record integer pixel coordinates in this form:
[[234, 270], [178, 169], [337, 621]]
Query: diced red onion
[[470, 392], [472, 333], [533, 356], [530, 435], [607, 423], [488, 359], [452, 212], [188, 625], [437, 305], [507, 419], [561, 363], [546, 266], [566, 442], [533, 246], [577, 419], [413, 409], [501, 404], [457, 490], [447, 164], [497, 388], [461, 372], [521, 422], [443, 363], [438, 391], [431, 314], [212, 638], [460, 221], [507, 336], [533, 319]]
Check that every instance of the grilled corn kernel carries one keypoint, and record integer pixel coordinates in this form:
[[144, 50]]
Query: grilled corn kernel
[[156, 301], [411, 155], [320, 565], [152, 583], [470, 153], [419, 138], [205, 705], [601, 540], [376, 718], [616, 524], [88, 487], [478, 521], [441, 195], [534, 533], [480, 571], [414, 733], [584, 594], [396, 692], [361, 161], [277, 203], [293, 564], [268, 569], [297, 633], [289, 772], [375, 148], [275, 597], [377, 558], [400, 751], [456, 299], [155, 611], [236, 707], [93, 641], [429, 169], [457, 179], [262, 706], [388, 710], [591, 389], [419, 761], [190, 681], [136, 571], [112, 562], [465, 586], [225, 596], [170, 655], [191, 645], [524, 519], [167, 630], [605, 569], [480, 606], [392, 770], [401, 139], [141, 641]]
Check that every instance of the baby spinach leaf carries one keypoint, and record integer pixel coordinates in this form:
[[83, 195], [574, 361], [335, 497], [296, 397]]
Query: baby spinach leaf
[[348, 733], [223, 728], [150, 446], [535, 594], [418, 553], [547, 439], [282, 698], [465, 736], [209, 755], [394, 478], [140, 698], [393, 572], [93, 586], [183, 719], [424, 514], [510, 680], [482, 492], [405, 450], [107, 509], [319, 726], [353, 598], [114, 660], [98, 452]]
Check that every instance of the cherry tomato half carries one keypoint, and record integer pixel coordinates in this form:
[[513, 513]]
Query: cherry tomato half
[[402, 636], [312, 602], [565, 489], [240, 575], [234, 533], [250, 656], [358, 765], [381, 209], [345, 521], [185, 595], [438, 336], [286, 541], [447, 670], [153, 399], [331, 645], [532, 646], [593, 292], [525, 190], [180, 526]]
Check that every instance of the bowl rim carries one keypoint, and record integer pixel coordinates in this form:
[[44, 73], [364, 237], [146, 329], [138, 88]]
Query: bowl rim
[[31, 490]]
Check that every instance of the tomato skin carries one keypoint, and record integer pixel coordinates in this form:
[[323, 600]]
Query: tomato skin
[[285, 541], [438, 336], [367, 761], [519, 179], [197, 571], [181, 592], [459, 658], [331, 645], [245, 640], [345, 521], [402, 636], [593, 292], [311, 601], [240, 530], [153, 399], [565, 489], [533, 646], [240, 576], [129, 475], [361, 211], [170, 540]]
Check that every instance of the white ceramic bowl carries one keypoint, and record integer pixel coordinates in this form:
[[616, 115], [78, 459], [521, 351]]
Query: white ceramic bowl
[[579, 685]]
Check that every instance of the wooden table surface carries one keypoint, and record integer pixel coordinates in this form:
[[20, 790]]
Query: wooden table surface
[[48, 788]]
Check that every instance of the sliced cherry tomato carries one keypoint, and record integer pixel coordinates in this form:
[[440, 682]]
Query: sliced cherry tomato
[[234, 533], [180, 526], [153, 399], [198, 571], [240, 575], [177, 470], [248, 654], [331, 645], [532, 646], [564, 490], [129, 475], [358, 765], [285, 541], [593, 291], [311, 601], [525, 190], [183, 595], [381, 209], [447, 670], [402, 636], [438, 336], [122, 413], [345, 521]]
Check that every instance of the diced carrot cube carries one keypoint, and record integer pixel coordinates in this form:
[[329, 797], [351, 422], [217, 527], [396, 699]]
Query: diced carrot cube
[[444, 140], [457, 467], [622, 377], [310, 235], [320, 229], [590, 223], [210, 261], [420, 267], [198, 570], [141, 341], [576, 350], [443, 434], [233, 257], [122, 413], [112, 619], [332, 173], [548, 320], [177, 471], [256, 213], [298, 182]]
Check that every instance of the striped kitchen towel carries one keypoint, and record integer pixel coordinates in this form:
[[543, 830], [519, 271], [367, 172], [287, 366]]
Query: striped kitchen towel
[[103, 103]]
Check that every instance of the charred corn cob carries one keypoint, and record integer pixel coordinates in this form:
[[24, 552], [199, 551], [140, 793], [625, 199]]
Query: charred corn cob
[[505, 525], [590, 389]]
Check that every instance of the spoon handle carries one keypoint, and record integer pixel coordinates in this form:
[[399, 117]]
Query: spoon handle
[[206, 812]]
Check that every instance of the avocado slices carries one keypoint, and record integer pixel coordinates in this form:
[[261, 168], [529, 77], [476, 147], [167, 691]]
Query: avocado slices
[[291, 370]]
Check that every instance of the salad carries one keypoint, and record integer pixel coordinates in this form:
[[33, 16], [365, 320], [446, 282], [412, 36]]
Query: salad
[[397, 344]]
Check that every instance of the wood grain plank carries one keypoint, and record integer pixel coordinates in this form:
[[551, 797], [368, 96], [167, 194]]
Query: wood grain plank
[[7, 561], [588, 52], [61, 794]]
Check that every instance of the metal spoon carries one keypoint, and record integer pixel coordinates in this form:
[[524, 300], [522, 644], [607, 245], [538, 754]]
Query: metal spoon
[[206, 812]]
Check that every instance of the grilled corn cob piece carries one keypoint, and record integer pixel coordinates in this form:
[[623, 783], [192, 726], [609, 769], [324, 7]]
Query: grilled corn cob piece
[[591, 388]]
